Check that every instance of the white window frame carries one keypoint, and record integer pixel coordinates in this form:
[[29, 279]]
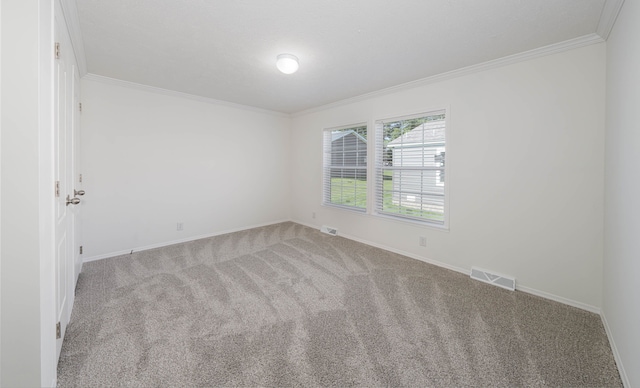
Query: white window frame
[[327, 167], [378, 168]]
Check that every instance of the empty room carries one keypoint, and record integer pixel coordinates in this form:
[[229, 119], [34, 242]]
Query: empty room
[[319, 193]]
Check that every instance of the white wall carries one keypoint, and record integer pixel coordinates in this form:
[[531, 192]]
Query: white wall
[[526, 161], [28, 318], [0, 192], [621, 307], [151, 160]]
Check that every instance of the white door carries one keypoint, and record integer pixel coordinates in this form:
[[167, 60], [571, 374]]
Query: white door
[[63, 149], [77, 180]]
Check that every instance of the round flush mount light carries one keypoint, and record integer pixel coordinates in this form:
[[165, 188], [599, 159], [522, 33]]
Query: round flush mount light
[[287, 63]]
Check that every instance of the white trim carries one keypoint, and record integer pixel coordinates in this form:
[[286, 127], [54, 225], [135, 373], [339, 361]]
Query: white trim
[[410, 220], [467, 272], [394, 250], [0, 188], [560, 299], [72, 21], [364, 123], [614, 350], [327, 141], [173, 93], [46, 177], [555, 48], [360, 210], [183, 240], [398, 220], [375, 212], [608, 17], [439, 110]]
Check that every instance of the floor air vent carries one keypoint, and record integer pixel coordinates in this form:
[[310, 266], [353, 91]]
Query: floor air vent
[[329, 230], [492, 278]]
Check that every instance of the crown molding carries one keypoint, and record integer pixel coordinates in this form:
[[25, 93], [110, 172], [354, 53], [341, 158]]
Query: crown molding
[[70, 12], [609, 14], [555, 48], [608, 17], [173, 93]]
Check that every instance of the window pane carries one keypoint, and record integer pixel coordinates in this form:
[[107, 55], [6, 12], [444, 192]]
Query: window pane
[[410, 167], [345, 161]]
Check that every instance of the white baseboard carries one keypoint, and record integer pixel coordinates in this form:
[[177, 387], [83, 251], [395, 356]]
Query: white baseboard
[[528, 290], [614, 350], [560, 299], [187, 239], [394, 250], [465, 271]]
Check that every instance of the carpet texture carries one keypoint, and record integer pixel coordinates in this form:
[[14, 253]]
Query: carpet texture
[[285, 305]]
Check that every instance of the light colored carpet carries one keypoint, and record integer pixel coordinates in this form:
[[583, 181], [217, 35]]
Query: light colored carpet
[[285, 305]]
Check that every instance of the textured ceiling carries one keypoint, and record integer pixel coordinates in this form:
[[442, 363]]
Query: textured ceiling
[[226, 50]]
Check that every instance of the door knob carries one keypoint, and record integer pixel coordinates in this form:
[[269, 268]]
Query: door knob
[[78, 192], [72, 201]]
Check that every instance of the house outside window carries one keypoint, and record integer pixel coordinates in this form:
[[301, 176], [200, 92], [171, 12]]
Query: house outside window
[[439, 159], [410, 168], [345, 167]]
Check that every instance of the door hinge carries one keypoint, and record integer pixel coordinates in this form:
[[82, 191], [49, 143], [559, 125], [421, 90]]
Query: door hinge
[[80, 107], [58, 331], [80, 249], [80, 178], [57, 50], [57, 189]]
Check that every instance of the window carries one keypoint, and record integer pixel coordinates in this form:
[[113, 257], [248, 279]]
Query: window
[[410, 167], [439, 159], [345, 167]]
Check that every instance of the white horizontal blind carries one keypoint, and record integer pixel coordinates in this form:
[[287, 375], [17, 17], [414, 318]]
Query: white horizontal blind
[[410, 167], [345, 167]]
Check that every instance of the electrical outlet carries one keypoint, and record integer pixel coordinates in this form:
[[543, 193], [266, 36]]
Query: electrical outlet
[[180, 226], [423, 241]]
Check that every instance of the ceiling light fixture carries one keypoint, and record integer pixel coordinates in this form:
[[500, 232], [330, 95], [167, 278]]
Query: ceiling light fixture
[[287, 63]]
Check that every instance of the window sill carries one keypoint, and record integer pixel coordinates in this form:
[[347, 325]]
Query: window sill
[[441, 227], [348, 208], [385, 217]]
